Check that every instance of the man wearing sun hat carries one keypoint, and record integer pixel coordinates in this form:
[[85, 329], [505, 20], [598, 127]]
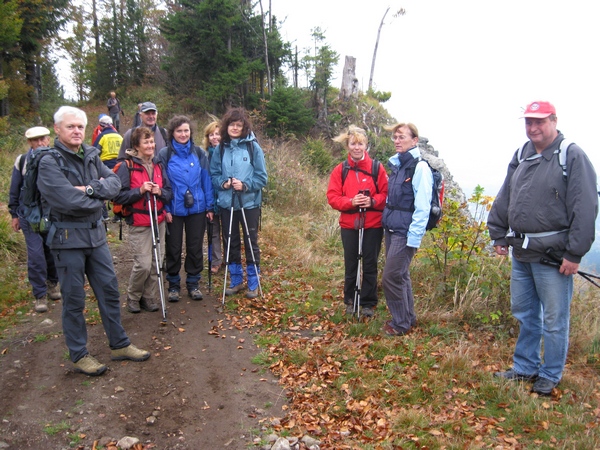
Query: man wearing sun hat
[[148, 114], [544, 211], [41, 269]]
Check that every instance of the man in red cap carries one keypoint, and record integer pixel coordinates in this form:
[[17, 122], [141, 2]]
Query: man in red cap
[[546, 209]]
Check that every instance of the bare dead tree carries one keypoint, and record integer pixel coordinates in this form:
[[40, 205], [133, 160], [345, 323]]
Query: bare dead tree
[[400, 12], [264, 30]]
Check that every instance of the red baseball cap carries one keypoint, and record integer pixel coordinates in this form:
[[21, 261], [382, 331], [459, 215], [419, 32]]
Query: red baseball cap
[[539, 110]]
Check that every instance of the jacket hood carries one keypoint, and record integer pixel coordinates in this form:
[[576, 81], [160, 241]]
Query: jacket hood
[[132, 152], [251, 137]]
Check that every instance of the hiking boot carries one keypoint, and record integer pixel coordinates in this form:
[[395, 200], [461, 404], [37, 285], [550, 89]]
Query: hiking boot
[[510, 374], [41, 304], [53, 291], [349, 310], [88, 365], [133, 306], [131, 352], [543, 386], [253, 293], [173, 295], [389, 330], [235, 289], [195, 294], [367, 312], [148, 304]]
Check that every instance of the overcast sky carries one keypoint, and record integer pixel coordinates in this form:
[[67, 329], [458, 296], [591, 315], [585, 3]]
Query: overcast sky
[[462, 71]]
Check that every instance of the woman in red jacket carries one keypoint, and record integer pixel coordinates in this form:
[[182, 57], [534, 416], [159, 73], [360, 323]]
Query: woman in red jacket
[[141, 179], [358, 189]]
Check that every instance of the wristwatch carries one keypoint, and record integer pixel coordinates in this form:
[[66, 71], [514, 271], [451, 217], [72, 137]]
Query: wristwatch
[[89, 190]]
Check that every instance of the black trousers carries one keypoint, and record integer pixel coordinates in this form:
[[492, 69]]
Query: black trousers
[[371, 246], [195, 225], [252, 218]]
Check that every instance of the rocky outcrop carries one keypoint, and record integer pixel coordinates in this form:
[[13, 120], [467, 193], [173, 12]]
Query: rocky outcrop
[[451, 188]]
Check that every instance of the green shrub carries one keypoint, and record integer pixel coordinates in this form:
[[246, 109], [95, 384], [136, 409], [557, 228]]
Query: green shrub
[[287, 113], [317, 156]]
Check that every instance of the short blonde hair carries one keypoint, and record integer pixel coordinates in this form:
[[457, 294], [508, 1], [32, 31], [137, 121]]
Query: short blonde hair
[[413, 129], [353, 132]]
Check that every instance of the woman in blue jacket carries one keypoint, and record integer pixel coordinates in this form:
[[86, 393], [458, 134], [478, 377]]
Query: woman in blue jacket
[[238, 174], [192, 202]]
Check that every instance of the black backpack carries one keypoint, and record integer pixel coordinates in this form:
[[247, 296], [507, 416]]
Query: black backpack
[[374, 171], [32, 199], [437, 194]]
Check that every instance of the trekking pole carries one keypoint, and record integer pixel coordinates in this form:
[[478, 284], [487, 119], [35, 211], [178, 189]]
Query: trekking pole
[[209, 233], [358, 286], [228, 247], [156, 249], [585, 275], [249, 242]]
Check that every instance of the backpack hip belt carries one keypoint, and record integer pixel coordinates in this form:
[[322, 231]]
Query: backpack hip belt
[[526, 236]]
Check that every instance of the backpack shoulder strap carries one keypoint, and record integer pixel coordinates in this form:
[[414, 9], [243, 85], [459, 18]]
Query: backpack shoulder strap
[[163, 133], [520, 153], [22, 159], [563, 148], [345, 169], [250, 148], [375, 173]]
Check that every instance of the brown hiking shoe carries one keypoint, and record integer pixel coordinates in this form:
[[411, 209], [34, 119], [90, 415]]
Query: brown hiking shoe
[[131, 352], [235, 289], [148, 304], [133, 306], [41, 304], [89, 365], [53, 291], [195, 294]]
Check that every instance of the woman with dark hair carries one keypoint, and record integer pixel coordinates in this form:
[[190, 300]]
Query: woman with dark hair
[[192, 202], [238, 174], [212, 139], [142, 177]]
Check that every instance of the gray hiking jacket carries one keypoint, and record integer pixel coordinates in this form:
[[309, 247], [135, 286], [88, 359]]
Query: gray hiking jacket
[[75, 217], [536, 199]]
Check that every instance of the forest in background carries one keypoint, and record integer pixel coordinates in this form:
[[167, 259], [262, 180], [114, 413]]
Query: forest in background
[[210, 55]]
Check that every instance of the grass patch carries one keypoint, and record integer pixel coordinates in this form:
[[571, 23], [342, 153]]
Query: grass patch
[[52, 429]]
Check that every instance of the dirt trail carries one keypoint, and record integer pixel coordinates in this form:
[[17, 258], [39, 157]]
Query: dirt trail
[[199, 383]]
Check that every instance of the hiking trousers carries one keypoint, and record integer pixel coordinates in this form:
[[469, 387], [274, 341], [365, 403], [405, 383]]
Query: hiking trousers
[[143, 281], [371, 246], [73, 265], [217, 253], [235, 251], [40, 262], [195, 225], [397, 285]]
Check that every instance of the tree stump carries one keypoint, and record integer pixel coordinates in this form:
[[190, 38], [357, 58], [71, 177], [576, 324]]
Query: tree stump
[[349, 80]]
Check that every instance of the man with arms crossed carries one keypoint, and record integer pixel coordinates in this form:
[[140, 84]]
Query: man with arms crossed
[[73, 196]]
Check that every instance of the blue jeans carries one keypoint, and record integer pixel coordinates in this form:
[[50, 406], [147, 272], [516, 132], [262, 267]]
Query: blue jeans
[[541, 302]]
